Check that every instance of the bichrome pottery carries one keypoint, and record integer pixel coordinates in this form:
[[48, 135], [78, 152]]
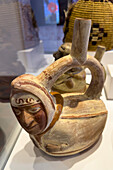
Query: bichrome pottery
[[66, 124]]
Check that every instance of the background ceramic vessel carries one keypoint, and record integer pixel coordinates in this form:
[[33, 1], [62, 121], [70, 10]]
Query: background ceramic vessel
[[74, 79]]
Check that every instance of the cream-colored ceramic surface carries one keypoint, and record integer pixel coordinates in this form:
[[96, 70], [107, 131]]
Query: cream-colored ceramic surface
[[100, 157], [77, 127]]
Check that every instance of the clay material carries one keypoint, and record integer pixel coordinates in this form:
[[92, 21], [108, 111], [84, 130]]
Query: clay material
[[66, 124]]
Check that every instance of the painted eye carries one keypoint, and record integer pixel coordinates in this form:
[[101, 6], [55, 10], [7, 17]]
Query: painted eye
[[34, 110], [17, 111]]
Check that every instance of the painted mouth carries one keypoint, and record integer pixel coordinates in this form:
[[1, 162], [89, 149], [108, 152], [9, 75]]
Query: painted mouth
[[31, 127]]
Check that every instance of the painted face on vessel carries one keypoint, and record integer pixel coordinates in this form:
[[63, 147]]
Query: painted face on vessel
[[30, 112]]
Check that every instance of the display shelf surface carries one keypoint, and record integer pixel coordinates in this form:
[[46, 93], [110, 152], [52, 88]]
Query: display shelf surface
[[9, 131], [99, 157]]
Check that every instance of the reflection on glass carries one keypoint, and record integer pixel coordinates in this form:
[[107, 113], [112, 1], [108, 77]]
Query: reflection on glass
[[26, 33], [51, 11]]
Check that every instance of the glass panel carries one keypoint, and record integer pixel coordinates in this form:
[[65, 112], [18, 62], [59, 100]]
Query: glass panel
[[30, 32]]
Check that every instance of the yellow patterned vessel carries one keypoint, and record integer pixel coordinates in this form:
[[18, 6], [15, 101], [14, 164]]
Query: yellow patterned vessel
[[101, 14]]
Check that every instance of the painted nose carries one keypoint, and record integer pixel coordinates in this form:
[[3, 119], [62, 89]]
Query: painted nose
[[28, 120]]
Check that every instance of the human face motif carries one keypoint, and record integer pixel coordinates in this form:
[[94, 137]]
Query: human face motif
[[30, 112]]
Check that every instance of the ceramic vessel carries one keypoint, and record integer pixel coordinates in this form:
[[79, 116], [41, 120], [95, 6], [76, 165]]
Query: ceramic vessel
[[73, 80], [62, 125]]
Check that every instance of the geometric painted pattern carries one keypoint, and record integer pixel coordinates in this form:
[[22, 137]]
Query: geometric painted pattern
[[97, 33]]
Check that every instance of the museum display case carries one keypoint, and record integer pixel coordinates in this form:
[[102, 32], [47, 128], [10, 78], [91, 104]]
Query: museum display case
[[72, 80]]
